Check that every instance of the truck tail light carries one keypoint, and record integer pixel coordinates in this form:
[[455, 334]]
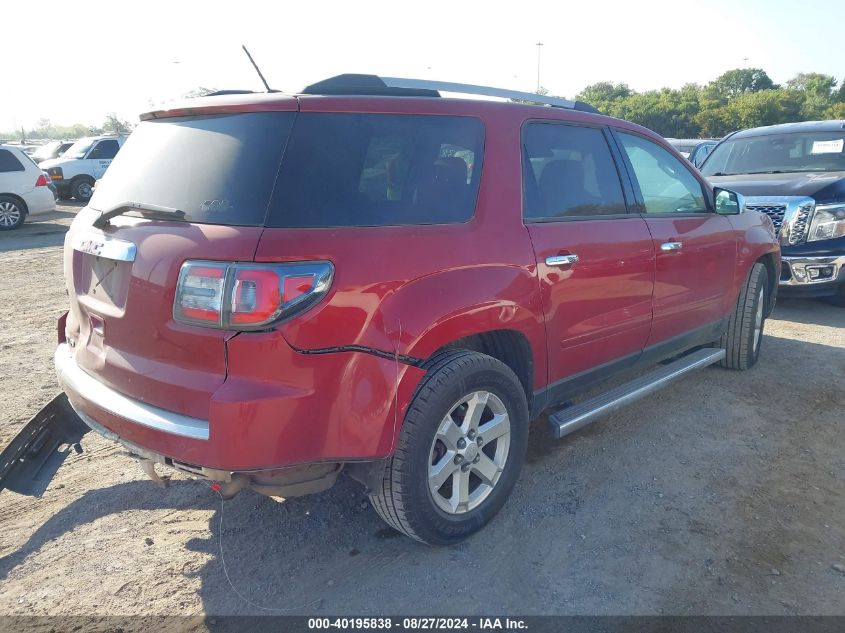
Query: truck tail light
[[236, 296], [42, 180]]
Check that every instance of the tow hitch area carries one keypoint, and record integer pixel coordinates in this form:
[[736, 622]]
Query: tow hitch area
[[29, 463]]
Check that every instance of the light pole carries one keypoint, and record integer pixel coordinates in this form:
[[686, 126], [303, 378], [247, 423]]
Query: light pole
[[539, 48]]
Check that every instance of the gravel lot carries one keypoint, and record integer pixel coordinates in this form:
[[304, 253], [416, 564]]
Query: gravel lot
[[722, 495]]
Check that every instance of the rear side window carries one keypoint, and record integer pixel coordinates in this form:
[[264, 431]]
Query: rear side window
[[215, 169], [8, 162], [342, 170], [568, 172]]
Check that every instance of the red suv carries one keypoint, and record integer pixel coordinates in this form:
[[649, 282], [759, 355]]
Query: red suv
[[267, 289]]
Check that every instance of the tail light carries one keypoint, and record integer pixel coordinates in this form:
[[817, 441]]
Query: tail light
[[42, 180], [248, 296]]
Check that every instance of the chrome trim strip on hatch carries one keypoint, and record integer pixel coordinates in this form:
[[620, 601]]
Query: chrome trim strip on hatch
[[74, 378], [105, 246]]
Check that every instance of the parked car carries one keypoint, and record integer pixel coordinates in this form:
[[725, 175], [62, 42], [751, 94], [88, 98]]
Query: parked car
[[683, 145], [795, 173], [24, 188], [82, 164], [268, 289], [51, 150], [702, 151], [688, 146]]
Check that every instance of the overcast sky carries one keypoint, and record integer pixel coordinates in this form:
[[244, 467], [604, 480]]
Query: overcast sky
[[74, 61]]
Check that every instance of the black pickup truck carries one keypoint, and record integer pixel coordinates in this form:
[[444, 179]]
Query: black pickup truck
[[795, 173]]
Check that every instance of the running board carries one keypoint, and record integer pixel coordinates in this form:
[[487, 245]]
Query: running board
[[571, 419]]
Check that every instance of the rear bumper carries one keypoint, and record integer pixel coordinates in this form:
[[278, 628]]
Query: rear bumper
[[40, 200], [812, 275], [342, 407]]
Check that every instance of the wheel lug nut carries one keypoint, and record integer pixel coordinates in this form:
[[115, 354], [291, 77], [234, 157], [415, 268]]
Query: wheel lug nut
[[471, 435], [462, 443], [477, 457], [458, 459], [465, 467], [479, 440]]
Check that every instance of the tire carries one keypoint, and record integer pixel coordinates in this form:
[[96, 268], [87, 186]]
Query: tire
[[455, 383], [81, 188], [12, 213], [744, 337]]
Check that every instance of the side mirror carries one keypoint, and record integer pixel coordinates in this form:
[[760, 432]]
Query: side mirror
[[728, 202]]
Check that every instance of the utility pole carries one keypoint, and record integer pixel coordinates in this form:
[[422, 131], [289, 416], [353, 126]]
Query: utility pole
[[539, 48]]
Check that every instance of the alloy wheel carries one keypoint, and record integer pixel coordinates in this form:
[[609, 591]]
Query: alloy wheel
[[469, 452], [10, 214]]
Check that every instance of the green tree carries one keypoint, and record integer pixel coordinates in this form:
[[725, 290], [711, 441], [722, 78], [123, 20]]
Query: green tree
[[741, 80], [116, 125], [835, 111], [602, 94], [818, 91], [766, 107], [816, 84]]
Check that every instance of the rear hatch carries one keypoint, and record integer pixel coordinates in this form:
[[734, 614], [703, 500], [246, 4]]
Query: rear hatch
[[191, 187]]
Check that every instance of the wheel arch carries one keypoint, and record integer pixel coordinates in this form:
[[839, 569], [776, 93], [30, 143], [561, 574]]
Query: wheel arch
[[768, 260], [511, 347], [19, 199]]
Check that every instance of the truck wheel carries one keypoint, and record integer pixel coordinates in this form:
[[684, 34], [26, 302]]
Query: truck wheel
[[12, 213], [460, 450], [744, 336], [81, 188]]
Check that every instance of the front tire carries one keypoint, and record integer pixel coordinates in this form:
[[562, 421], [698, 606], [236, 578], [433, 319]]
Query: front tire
[[460, 450], [744, 337], [82, 188], [12, 213]]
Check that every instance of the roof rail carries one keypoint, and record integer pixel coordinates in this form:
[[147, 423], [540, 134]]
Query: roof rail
[[354, 84]]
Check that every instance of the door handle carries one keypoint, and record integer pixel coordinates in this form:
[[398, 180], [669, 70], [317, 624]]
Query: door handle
[[561, 260], [671, 246]]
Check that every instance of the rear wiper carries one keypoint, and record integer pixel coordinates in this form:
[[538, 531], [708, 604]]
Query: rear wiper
[[145, 209]]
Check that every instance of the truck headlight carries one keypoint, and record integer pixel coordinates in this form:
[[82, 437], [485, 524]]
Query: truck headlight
[[828, 222]]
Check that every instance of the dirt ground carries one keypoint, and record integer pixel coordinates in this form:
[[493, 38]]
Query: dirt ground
[[724, 494]]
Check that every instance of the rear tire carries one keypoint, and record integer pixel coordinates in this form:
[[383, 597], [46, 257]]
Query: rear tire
[[446, 480], [744, 337], [82, 188], [12, 213]]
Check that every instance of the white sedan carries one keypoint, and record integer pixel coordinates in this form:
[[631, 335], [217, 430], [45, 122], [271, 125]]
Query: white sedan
[[24, 188]]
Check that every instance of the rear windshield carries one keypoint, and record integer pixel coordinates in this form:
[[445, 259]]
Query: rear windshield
[[775, 153], [216, 169], [337, 170], [377, 170]]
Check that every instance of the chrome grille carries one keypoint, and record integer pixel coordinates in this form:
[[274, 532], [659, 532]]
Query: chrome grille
[[774, 211], [799, 224]]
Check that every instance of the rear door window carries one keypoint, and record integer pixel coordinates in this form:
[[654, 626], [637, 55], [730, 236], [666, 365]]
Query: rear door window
[[8, 162], [342, 170], [569, 172]]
